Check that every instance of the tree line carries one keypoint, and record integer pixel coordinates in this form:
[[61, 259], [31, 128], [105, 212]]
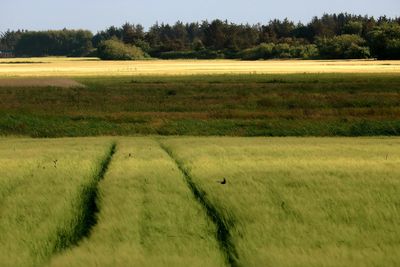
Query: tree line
[[331, 36]]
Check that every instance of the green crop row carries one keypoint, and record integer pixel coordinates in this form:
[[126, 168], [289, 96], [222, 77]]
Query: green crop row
[[199, 201]]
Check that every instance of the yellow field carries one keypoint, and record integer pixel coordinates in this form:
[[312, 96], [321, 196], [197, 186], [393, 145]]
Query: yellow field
[[93, 67]]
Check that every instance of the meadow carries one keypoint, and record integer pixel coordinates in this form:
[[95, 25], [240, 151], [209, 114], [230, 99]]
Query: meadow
[[159, 201], [295, 104]]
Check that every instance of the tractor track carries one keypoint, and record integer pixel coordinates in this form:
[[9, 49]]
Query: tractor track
[[223, 234], [88, 207]]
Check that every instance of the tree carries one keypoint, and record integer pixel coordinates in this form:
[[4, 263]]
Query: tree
[[332, 35], [353, 27], [343, 46], [384, 41], [283, 28], [215, 35], [54, 43], [9, 39]]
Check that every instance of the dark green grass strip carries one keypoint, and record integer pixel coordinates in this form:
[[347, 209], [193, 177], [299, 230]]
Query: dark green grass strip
[[223, 235], [91, 207], [87, 208]]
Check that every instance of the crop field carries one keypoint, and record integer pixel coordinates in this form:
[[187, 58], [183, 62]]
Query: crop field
[[59, 97], [199, 163], [94, 67], [46, 190], [300, 202], [200, 201], [335, 104]]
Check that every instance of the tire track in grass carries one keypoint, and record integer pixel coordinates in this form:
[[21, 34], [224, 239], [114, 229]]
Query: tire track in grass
[[88, 208], [223, 235]]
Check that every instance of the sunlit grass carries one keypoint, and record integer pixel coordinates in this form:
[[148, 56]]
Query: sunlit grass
[[93, 67], [286, 201], [304, 201], [148, 216], [43, 186]]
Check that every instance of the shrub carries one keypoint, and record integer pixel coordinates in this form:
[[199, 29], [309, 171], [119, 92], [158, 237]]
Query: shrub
[[117, 50], [145, 46], [202, 54], [262, 51], [282, 50], [346, 46], [393, 49], [307, 51]]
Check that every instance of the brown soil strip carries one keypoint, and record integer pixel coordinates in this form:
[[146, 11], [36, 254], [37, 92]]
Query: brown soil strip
[[39, 82]]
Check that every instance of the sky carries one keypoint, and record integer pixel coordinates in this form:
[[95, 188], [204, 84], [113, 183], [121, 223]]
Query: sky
[[99, 14]]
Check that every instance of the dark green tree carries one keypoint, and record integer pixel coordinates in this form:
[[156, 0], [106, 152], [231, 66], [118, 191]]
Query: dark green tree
[[345, 46], [384, 41]]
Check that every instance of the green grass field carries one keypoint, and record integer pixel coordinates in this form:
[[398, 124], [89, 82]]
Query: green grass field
[[151, 201], [301, 202], [148, 216], [137, 178], [47, 189], [234, 105]]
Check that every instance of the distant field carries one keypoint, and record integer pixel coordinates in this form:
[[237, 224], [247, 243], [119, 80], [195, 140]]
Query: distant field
[[154, 201], [237, 105], [53, 97], [94, 67]]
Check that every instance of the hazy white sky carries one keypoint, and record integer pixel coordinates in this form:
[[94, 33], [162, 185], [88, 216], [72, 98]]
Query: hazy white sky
[[99, 14]]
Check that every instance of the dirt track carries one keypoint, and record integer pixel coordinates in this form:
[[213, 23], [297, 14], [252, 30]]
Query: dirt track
[[39, 82]]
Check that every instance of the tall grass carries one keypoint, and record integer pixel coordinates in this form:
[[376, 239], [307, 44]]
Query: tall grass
[[302, 201], [286, 202], [235, 105], [147, 216], [45, 194]]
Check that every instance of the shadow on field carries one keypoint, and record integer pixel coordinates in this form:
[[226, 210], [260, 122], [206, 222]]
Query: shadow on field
[[88, 206], [223, 235]]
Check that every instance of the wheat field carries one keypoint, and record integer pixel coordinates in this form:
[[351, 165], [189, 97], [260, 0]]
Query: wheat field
[[59, 66], [46, 188], [301, 201], [160, 201]]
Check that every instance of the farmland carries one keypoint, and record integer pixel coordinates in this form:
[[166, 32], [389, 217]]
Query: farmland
[[199, 163], [55, 97], [301, 202], [148, 216], [46, 191], [73, 67], [109, 201]]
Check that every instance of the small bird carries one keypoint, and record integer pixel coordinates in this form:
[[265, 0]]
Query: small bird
[[55, 163], [130, 155], [223, 181]]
